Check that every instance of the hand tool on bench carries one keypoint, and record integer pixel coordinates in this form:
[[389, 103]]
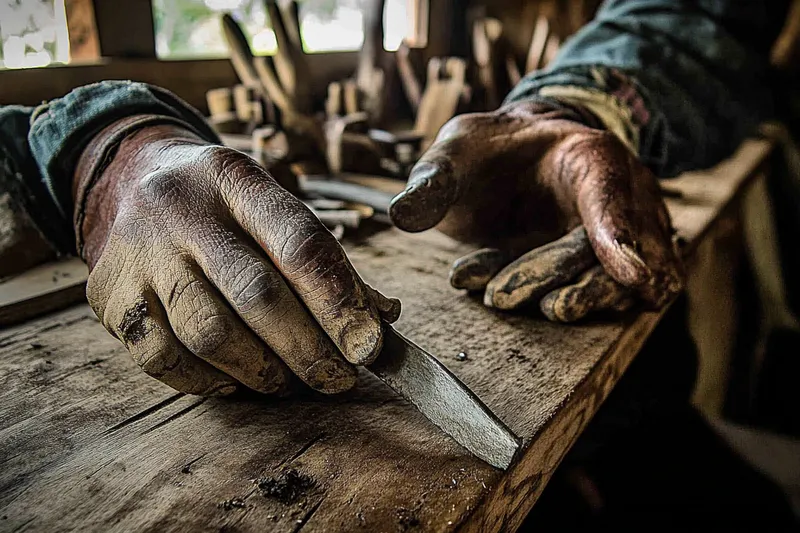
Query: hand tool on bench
[[444, 91], [350, 192], [444, 400], [366, 91], [408, 77], [286, 80]]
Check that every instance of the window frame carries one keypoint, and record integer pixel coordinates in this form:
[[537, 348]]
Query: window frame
[[125, 48]]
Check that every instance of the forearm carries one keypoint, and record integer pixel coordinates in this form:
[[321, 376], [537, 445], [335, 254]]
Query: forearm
[[682, 83], [42, 145]]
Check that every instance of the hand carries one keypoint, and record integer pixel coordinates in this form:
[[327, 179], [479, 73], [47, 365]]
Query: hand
[[525, 175], [214, 277]]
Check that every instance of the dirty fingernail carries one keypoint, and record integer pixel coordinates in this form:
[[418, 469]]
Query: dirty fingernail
[[640, 272], [362, 339], [330, 376], [488, 298], [425, 201], [474, 271], [390, 309]]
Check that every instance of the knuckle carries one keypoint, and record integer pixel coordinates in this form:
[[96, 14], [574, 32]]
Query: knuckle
[[161, 188], [459, 126], [234, 171], [157, 358], [206, 334], [255, 289], [306, 244], [98, 289]]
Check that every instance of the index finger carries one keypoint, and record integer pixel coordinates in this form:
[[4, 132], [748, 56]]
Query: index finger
[[308, 257]]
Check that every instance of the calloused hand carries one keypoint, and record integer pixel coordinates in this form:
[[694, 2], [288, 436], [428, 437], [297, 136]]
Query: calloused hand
[[548, 197], [215, 278]]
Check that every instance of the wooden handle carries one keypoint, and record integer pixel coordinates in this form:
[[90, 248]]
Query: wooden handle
[[241, 55]]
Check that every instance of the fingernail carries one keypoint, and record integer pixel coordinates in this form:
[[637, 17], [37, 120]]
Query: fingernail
[[390, 310], [421, 176], [424, 202], [361, 339], [330, 376], [488, 298], [641, 272]]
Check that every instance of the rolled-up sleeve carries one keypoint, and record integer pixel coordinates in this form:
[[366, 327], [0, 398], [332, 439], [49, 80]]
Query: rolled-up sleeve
[[686, 80], [39, 147]]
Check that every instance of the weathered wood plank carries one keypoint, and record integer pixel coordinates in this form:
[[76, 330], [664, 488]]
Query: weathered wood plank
[[42, 289], [88, 442]]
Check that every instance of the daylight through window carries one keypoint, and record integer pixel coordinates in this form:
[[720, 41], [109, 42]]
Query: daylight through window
[[33, 33], [191, 28]]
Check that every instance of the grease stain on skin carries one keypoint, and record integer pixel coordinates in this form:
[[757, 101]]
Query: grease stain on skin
[[132, 328]]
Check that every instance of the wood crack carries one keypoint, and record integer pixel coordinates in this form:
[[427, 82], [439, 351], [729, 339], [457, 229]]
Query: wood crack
[[175, 416], [303, 449], [303, 521], [187, 468], [23, 525], [74, 370], [147, 412]]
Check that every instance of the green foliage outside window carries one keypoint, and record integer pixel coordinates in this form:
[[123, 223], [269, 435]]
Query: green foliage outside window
[[191, 28]]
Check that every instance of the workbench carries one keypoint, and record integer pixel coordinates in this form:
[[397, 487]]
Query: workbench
[[89, 442]]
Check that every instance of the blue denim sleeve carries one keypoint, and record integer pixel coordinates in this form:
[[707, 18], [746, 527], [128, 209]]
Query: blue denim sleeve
[[692, 76], [41, 146]]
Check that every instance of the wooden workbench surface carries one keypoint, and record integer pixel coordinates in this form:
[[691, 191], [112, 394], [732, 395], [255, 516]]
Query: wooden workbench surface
[[89, 442]]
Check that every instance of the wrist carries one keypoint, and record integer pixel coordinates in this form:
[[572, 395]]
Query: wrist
[[555, 109], [114, 161], [609, 112]]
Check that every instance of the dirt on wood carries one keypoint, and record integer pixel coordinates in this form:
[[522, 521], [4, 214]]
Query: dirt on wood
[[406, 519], [287, 487], [233, 503]]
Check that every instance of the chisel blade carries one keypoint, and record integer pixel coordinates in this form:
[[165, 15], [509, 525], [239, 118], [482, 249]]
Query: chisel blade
[[439, 395]]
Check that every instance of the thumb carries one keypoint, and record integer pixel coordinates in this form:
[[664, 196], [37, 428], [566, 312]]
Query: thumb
[[432, 188]]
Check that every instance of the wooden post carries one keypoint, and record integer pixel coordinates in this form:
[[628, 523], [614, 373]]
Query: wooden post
[[84, 44], [125, 29]]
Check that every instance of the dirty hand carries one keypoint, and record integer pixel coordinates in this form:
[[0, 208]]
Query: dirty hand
[[522, 177], [214, 277]]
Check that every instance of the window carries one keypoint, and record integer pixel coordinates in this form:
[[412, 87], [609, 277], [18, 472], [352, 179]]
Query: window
[[33, 33], [191, 28]]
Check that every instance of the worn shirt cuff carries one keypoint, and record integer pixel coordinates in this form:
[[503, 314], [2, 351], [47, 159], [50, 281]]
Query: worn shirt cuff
[[618, 100], [60, 129]]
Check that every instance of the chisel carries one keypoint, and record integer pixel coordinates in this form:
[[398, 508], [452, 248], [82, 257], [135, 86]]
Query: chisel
[[444, 400]]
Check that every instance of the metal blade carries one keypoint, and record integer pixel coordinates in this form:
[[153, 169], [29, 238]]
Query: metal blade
[[444, 399]]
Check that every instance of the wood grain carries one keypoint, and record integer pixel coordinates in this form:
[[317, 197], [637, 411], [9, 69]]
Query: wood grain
[[89, 442]]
